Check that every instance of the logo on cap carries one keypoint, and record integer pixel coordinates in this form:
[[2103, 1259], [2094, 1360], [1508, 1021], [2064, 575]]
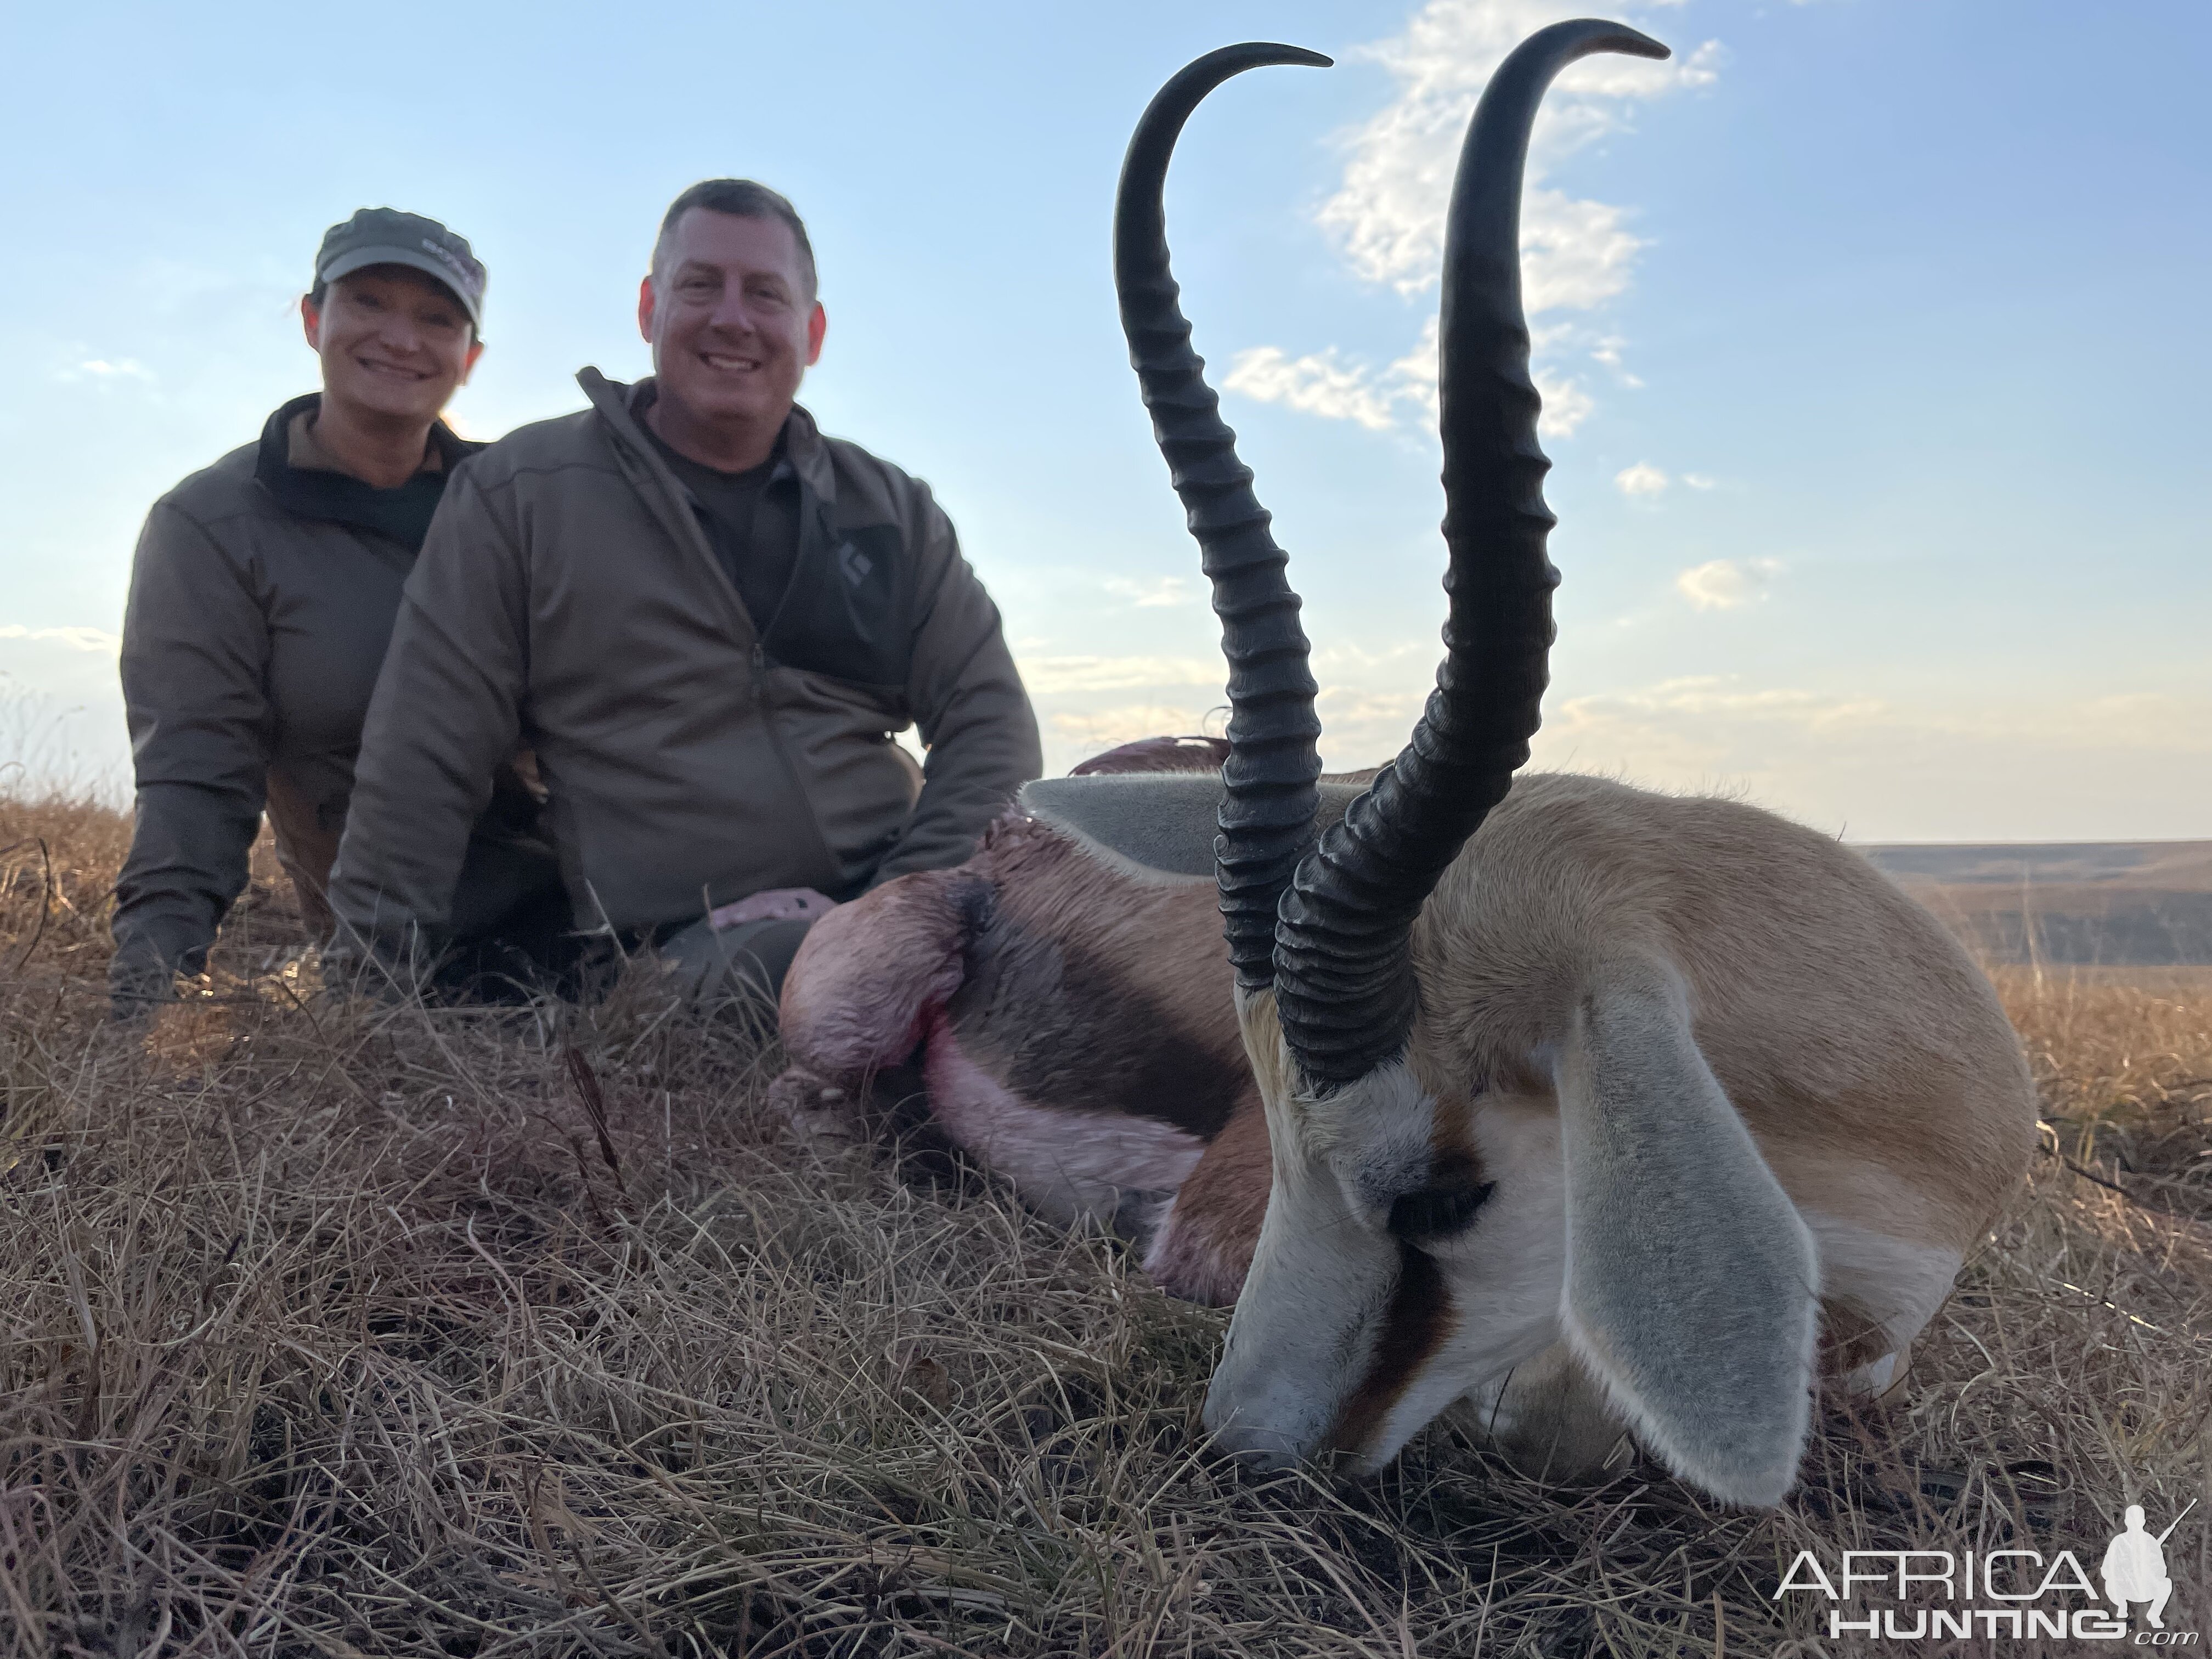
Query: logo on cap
[[375, 236]]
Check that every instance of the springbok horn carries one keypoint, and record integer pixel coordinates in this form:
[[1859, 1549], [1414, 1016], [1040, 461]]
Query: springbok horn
[[1267, 811], [1344, 977]]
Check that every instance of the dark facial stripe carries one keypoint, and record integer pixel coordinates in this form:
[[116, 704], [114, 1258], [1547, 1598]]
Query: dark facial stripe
[[1416, 1324]]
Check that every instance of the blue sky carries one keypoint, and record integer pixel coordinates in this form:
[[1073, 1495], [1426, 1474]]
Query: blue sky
[[1874, 335]]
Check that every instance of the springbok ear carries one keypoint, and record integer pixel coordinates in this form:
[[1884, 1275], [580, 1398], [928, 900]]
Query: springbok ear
[[1157, 826], [1693, 1286]]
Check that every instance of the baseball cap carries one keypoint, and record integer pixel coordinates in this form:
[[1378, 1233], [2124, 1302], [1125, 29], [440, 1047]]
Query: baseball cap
[[386, 236]]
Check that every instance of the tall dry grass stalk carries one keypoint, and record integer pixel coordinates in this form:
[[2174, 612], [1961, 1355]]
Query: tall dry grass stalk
[[336, 1329]]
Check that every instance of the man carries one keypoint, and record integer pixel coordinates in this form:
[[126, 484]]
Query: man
[[262, 596], [707, 620]]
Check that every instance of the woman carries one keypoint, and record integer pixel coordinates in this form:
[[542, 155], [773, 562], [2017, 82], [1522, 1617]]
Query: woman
[[262, 596]]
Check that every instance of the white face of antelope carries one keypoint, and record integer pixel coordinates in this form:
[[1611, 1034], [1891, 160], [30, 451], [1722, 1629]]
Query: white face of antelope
[[1417, 1249], [1414, 1251]]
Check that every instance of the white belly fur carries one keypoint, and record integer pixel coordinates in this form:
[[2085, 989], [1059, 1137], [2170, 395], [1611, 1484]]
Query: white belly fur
[[1067, 1165], [1898, 1283]]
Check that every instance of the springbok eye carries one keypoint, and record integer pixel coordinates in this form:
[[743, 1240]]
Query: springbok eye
[[1436, 1212]]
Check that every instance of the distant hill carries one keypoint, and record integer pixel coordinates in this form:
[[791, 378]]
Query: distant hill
[[2145, 904]]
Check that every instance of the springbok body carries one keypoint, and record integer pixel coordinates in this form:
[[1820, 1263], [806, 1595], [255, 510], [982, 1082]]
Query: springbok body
[[1595, 1107], [1077, 1029]]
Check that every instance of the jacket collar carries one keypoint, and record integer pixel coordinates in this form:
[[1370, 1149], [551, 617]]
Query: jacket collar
[[275, 452], [401, 513], [618, 404]]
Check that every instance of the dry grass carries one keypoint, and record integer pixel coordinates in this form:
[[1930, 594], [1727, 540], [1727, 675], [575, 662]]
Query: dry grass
[[332, 1329]]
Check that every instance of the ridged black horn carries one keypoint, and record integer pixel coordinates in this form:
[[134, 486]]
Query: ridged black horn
[[1344, 977], [1269, 804]]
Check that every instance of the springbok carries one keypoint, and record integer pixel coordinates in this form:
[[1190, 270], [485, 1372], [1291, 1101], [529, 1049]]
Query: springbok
[[1591, 1106]]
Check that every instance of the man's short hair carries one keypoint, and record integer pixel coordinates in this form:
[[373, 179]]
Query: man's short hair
[[741, 199]]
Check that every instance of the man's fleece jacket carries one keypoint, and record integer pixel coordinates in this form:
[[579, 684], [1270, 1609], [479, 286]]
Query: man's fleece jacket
[[567, 597]]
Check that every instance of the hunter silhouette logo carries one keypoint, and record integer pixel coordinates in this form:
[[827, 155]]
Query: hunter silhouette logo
[[2134, 1566]]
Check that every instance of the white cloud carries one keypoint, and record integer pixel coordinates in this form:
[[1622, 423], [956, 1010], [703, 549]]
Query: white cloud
[[1389, 212], [1725, 584], [1092, 731], [1641, 479], [1345, 656], [1699, 481], [1566, 405], [1316, 384], [1974, 764], [79, 639], [1158, 696], [1607, 350], [2140, 720], [1970, 767], [1976, 769], [1365, 726], [1322, 385], [1575, 256], [103, 371], [1414, 375], [1716, 694], [1047, 676], [1160, 591]]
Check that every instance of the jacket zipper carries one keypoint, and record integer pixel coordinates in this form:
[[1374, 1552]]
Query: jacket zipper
[[690, 530], [783, 756]]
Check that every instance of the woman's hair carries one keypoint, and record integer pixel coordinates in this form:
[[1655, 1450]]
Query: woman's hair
[[321, 287]]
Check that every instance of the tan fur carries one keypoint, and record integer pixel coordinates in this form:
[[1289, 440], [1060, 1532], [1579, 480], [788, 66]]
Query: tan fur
[[1866, 1053], [1204, 1245], [1270, 1058]]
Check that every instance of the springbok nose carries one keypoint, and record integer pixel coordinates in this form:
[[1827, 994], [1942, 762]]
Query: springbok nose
[[1263, 1450], [1258, 1432]]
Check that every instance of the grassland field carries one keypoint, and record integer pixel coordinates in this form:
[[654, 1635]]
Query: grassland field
[[334, 1329]]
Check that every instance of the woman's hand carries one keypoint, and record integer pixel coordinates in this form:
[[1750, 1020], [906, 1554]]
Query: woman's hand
[[773, 904]]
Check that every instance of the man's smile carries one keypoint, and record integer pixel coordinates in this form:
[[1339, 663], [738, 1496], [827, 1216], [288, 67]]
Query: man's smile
[[726, 363]]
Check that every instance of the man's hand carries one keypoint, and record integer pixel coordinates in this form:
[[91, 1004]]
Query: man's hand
[[773, 904], [389, 969]]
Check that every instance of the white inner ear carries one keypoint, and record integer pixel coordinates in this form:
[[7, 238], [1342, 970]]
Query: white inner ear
[[1693, 1284], [1154, 826]]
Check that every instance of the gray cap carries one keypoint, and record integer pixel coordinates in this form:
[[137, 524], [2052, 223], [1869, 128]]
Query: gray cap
[[386, 236]]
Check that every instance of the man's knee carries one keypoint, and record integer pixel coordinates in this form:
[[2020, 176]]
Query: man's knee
[[717, 966]]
